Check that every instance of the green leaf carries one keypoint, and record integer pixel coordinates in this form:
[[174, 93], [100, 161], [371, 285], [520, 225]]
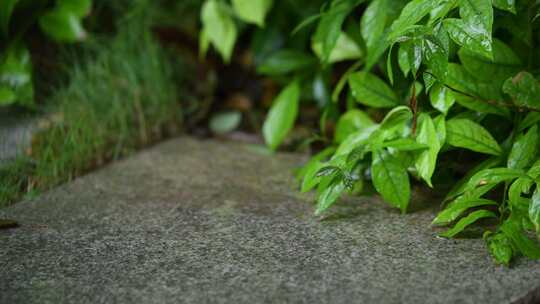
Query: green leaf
[[356, 139], [458, 207], [461, 185], [370, 90], [524, 89], [282, 116], [478, 16], [80, 8], [252, 11], [411, 14], [466, 221], [493, 176], [504, 64], [505, 5], [500, 247], [219, 27], [467, 134], [6, 9], [225, 122], [330, 194], [329, 28], [350, 122], [373, 22], [16, 75], [427, 160], [513, 229], [440, 127], [441, 98], [404, 144], [286, 61], [390, 179], [524, 151], [534, 210], [62, 25], [344, 49], [465, 34], [308, 173], [396, 118]]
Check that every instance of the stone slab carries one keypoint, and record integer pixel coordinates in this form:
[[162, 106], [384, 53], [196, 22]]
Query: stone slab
[[210, 222]]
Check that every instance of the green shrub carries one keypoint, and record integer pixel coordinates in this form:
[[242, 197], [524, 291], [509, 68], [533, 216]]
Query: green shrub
[[433, 85], [60, 20]]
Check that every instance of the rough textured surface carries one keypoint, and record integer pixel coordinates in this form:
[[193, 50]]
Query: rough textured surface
[[209, 222]]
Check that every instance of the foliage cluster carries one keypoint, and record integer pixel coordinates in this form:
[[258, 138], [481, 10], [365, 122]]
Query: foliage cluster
[[408, 83], [60, 20], [123, 93]]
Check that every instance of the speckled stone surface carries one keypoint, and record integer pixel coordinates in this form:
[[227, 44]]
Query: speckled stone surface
[[212, 222]]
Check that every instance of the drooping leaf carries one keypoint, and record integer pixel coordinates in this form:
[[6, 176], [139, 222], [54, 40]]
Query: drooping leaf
[[427, 160], [330, 194], [466, 221], [390, 179], [458, 207], [500, 247], [467, 134], [282, 115], [411, 14], [478, 18], [252, 11], [370, 90], [219, 27], [404, 144], [493, 176]]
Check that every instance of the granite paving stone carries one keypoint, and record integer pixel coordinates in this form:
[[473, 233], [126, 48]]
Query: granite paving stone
[[204, 221]]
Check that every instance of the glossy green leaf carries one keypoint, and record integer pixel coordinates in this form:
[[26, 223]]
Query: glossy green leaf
[[252, 11], [370, 90], [467, 134], [390, 179], [478, 17], [329, 195], [505, 63], [404, 144], [282, 116], [493, 176], [350, 122], [286, 61], [458, 207], [219, 27], [356, 139], [427, 160], [534, 210], [466, 221], [411, 14], [465, 34], [373, 22], [441, 98], [524, 90], [524, 151]]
